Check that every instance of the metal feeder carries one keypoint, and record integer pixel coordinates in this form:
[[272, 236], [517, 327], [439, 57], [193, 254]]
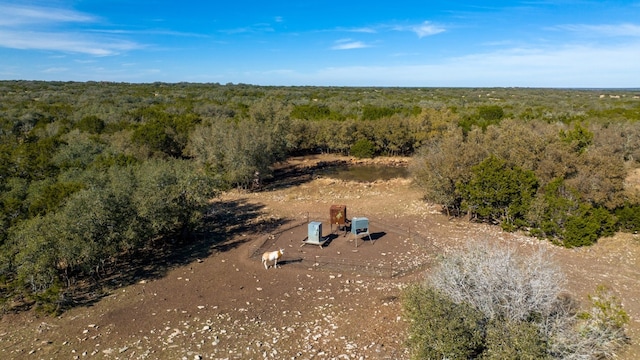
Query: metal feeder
[[360, 227], [314, 234], [338, 217]]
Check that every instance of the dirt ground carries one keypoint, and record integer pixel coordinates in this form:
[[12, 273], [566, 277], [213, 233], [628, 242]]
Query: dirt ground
[[335, 302]]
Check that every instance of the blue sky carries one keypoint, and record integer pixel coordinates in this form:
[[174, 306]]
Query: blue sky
[[532, 43]]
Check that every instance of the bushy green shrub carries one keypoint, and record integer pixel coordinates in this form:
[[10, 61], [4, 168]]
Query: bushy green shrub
[[491, 112], [560, 214], [590, 224], [363, 148], [311, 112], [514, 340], [76, 228], [91, 124], [498, 193], [579, 138], [440, 328], [486, 115], [629, 217]]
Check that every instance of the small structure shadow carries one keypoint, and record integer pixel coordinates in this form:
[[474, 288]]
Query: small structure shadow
[[372, 237], [326, 240], [290, 261], [329, 238]]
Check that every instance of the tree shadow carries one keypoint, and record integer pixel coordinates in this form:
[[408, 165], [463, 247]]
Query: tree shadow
[[218, 232]]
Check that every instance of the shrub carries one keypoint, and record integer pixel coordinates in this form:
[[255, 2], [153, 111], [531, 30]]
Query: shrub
[[363, 148], [596, 333], [500, 283], [441, 328], [490, 303], [629, 217], [590, 224], [559, 213], [579, 138], [486, 116], [491, 112], [514, 340], [91, 124], [498, 192]]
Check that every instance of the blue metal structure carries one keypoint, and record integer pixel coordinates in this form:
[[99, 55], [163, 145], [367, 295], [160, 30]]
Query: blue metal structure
[[360, 226], [314, 234]]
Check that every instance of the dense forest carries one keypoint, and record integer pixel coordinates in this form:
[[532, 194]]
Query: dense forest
[[92, 174]]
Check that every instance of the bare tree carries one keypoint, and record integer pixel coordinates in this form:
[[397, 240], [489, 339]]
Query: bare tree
[[511, 288], [501, 284]]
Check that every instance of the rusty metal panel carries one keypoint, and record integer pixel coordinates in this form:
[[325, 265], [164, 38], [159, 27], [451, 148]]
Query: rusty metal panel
[[338, 214]]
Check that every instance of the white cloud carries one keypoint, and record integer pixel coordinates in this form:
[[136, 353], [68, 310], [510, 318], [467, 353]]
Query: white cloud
[[55, 70], [423, 29], [13, 15], [348, 44], [367, 30], [426, 29], [255, 28], [38, 28], [67, 42], [632, 30]]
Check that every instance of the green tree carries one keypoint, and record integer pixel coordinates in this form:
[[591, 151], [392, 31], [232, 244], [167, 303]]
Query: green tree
[[363, 148], [163, 132], [311, 112], [497, 192], [629, 217], [46, 196], [490, 112], [32, 158], [559, 213], [443, 162], [78, 150], [579, 138], [91, 124], [486, 115]]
